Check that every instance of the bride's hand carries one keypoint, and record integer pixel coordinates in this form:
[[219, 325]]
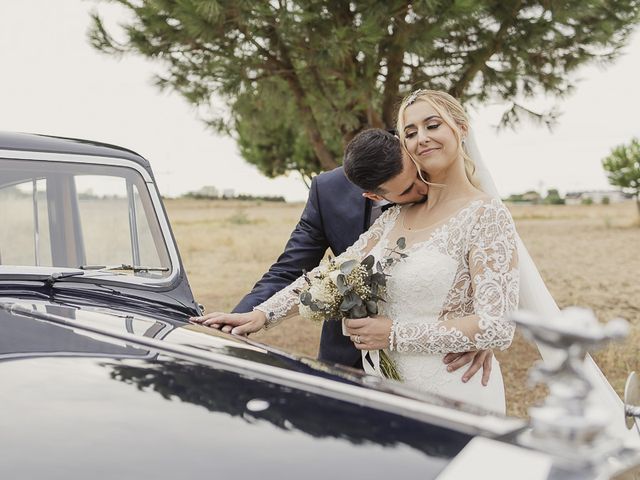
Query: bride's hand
[[235, 323], [370, 333]]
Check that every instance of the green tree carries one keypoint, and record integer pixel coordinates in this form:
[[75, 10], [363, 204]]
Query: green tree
[[553, 197], [623, 168], [293, 80]]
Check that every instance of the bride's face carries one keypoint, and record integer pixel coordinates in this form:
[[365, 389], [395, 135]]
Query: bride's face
[[429, 139]]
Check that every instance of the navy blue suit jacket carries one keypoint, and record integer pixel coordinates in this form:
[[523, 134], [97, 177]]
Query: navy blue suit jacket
[[335, 215]]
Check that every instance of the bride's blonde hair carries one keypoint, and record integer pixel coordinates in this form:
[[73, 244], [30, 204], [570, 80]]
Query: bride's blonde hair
[[451, 112]]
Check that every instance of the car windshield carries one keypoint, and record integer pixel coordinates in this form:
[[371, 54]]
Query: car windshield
[[77, 215]]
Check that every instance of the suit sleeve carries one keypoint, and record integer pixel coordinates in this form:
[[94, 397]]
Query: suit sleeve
[[304, 250]]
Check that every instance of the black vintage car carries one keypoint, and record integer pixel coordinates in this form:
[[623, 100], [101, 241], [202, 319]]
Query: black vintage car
[[101, 375]]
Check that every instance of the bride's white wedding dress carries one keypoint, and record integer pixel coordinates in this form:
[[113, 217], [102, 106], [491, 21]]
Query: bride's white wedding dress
[[450, 294]]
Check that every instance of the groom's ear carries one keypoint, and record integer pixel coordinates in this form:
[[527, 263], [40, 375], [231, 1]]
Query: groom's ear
[[372, 196]]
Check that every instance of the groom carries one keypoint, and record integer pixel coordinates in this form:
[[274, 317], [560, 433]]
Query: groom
[[335, 215]]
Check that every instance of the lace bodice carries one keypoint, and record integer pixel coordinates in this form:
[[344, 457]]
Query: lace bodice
[[453, 290]]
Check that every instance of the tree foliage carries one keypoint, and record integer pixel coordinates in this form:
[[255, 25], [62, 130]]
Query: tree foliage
[[553, 197], [623, 168], [293, 80]]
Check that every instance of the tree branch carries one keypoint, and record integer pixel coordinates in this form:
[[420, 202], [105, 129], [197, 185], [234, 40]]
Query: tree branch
[[325, 157], [480, 57]]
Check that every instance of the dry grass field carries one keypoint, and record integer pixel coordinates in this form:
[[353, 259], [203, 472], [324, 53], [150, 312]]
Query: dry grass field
[[588, 255]]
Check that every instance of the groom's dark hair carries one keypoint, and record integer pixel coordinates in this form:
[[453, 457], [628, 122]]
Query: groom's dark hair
[[372, 158]]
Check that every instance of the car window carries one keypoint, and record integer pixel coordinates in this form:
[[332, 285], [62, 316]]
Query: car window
[[58, 214], [21, 243], [104, 214]]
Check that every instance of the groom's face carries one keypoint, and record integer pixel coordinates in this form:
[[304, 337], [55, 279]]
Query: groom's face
[[406, 187]]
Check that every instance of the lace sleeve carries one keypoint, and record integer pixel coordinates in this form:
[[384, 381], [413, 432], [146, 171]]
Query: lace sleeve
[[283, 303], [493, 268]]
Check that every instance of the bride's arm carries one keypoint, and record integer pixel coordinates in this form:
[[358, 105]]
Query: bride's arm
[[493, 268], [284, 303]]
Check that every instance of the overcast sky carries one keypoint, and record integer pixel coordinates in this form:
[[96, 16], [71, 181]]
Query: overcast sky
[[53, 82]]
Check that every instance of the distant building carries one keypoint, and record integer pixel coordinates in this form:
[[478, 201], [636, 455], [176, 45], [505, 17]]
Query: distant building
[[596, 196]]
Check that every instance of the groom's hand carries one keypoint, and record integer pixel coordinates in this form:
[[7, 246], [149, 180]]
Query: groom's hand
[[480, 359]]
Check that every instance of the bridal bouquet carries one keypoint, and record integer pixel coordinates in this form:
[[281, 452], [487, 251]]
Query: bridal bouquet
[[350, 289]]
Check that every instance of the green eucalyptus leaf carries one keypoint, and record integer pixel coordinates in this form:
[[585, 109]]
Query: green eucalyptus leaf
[[348, 266], [379, 278], [341, 284], [401, 243], [351, 299], [306, 298], [372, 307], [368, 262], [346, 305], [359, 311]]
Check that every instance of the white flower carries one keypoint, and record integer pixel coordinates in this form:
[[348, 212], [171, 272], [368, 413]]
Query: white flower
[[333, 276], [319, 292]]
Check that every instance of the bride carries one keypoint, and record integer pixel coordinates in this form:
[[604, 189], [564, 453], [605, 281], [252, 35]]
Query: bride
[[461, 276]]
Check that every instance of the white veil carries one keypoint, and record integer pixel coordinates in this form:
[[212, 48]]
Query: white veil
[[535, 297]]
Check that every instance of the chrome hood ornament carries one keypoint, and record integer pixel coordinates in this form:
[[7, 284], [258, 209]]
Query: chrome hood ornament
[[632, 401], [570, 424]]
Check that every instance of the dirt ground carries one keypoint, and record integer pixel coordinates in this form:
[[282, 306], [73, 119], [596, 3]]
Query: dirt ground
[[588, 256]]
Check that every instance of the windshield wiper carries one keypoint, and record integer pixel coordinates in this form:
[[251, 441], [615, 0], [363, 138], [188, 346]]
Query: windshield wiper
[[54, 277], [125, 267]]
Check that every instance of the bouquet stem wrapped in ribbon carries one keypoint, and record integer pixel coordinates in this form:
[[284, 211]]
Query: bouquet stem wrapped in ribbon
[[352, 289]]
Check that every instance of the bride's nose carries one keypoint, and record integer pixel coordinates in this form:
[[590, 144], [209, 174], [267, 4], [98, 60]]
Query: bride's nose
[[423, 136]]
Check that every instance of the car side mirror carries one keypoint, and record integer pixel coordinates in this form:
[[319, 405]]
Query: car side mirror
[[632, 400]]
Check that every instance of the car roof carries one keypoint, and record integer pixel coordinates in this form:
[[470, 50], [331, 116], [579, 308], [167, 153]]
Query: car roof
[[32, 142]]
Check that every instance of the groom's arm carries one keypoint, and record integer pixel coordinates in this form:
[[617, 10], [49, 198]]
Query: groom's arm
[[304, 251]]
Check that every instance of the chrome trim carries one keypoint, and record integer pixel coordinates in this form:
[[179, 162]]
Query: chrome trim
[[133, 225], [36, 222], [75, 158], [22, 356], [153, 194], [446, 417]]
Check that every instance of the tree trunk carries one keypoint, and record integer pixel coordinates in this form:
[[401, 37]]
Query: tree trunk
[[327, 162], [325, 157], [395, 60]]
